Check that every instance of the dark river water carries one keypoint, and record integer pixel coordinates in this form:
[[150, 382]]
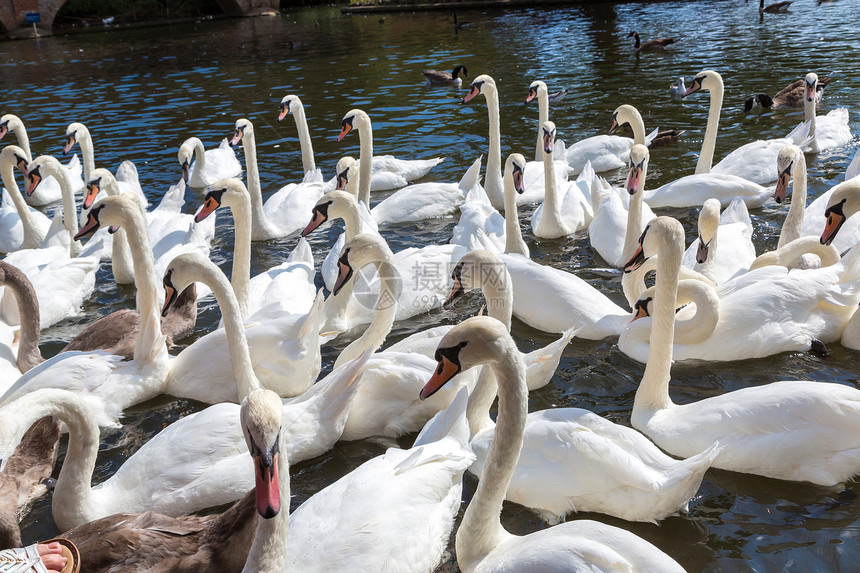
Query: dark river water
[[142, 92]]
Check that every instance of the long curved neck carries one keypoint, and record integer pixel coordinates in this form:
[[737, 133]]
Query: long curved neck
[[494, 158], [7, 172], [73, 496], [706, 157], [551, 199], [481, 400], [498, 294], [793, 224], [351, 221], [269, 550], [700, 326], [23, 140], [634, 220], [86, 143], [365, 161], [28, 309], [70, 212], [383, 318], [199, 158], [808, 112], [240, 277], [543, 116], [514, 243], [237, 343], [304, 139], [249, 146], [653, 391], [481, 529], [637, 124]]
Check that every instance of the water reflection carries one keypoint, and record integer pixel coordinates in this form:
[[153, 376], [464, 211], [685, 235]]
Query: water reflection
[[144, 91]]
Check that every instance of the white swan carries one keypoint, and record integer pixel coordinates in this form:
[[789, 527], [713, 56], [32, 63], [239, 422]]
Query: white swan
[[792, 430], [482, 543], [843, 202], [292, 104], [693, 190], [622, 214], [565, 209], [823, 132], [186, 467], [285, 211], [724, 249], [62, 279], [117, 382], [755, 161], [209, 165], [533, 175], [366, 521], [51, 192], [817, 216], [388, 172], [287, 287], [284, 348], [21, 226], [126, 178], [481, 225], [791, 254]]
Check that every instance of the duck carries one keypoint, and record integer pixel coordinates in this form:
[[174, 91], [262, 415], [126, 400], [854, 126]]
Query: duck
[[62, 279], [678, 90], [482, 544], [755, 161], [650, 45], [387, 171], [452, 78], [565, 209], [51, 192], [382, 500], [617, 223], [792, 95], [285, 352], [126, 179], [724, 248], [21, 226], [287, 287], [284, 212], [820, 133], [790, 430], [213, 472], [116, 382], [481, 225], [210, 165], [775, 8]]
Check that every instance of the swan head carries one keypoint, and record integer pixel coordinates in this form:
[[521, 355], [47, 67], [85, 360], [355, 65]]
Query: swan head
[[74, 133], [624, 114], [99, 179], [535, 89], [354, 119], [811, 86], [186, 153], [638, 168], [40, 168], [706, 80], [346, 173], [243, 127], [182, 272], [362, 250], [659, 232], [483, 84], [476, 340], [230, 192], [262, 419], [9, 122], [475, 269], [709, 221], [786, 159], [332, 205], [16, 156], [548, 135], [844, 202], [288, 104], [115, 211], [642, 307], [515, 168]]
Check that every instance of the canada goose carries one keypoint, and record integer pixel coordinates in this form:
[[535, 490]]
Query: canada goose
[[789, 96], [439, 78], [655, 44], [773, 8]]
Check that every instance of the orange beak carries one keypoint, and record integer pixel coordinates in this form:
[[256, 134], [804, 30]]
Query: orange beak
[[834, 223], [92, 191], [634, 179], [475, 90], [209, 207], [35, 179], [532, 94], [91, 226], [635, 261], [70, 142], [267, 487], [345, 128], [317, 220], [444, 372], [237, 136], [781, 186], [284, 113]]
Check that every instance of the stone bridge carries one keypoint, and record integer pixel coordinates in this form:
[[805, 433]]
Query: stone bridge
[[13, 13]]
